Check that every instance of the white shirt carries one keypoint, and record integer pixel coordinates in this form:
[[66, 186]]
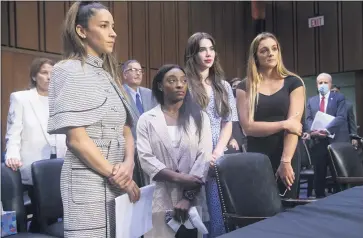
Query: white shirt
[[326, 100], [133, 92]]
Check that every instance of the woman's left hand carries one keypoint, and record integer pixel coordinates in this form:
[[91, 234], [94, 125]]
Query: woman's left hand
[[181, 210], [122, 172], [286, 173]]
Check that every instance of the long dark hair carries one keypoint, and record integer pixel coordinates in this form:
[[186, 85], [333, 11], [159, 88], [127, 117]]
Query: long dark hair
[[73, 46], [189, 106], [216, 75]]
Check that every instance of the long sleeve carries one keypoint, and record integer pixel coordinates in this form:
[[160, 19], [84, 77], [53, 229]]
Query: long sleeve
[[204, 153], [14, 128], [351, 119], [340, 117], [149, 163], [309, 117]]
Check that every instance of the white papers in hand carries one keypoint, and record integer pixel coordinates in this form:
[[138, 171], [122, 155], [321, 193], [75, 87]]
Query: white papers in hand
[[194, 221], [134, 219], [321, 121]]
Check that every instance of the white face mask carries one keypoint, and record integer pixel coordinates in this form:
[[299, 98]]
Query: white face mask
[[323, 88]]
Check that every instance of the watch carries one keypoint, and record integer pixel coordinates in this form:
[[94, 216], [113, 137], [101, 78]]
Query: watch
[[189, 194]]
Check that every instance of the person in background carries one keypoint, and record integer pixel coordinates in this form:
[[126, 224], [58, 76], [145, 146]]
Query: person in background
[[26, 137], [352, 124], [87, 105], [270, 104], [174, 145], [337, 131], [140, 98], [214, 95]]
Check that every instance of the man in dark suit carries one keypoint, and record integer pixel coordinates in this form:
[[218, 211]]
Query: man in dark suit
[[337, 131], [140, 98], [352, 124]]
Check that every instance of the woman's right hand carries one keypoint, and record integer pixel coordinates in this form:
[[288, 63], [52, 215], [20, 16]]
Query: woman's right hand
[[293, 125], [133, 191], [14, 164], [190, 182]]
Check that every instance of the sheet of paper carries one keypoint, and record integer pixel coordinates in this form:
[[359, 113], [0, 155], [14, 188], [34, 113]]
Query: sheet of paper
[[321, 121], [134, 219]]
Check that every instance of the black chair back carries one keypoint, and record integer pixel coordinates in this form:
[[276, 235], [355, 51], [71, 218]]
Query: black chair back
[[46, 178], [345, 160], [247, 185], [12, 195], [305, 154]]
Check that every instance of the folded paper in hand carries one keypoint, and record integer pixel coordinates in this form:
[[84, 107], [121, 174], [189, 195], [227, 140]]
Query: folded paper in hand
[[194, 221], [134, 219], [321, 121]]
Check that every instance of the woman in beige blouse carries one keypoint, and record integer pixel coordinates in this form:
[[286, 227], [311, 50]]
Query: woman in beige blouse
[[174, 145]]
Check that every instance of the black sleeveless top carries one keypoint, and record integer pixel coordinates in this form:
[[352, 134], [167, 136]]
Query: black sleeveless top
[[270, 109]]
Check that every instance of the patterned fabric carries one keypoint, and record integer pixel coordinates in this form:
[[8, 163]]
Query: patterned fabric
[[216, 224], [85, 96]]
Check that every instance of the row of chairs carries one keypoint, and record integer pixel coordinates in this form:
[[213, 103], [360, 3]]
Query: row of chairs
[[47, 198], [255, 177]]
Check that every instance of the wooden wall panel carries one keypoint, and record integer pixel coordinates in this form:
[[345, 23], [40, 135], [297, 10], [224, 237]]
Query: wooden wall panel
[[155, 35], [27, 27], [138, 31], [239, 49], [219, 31], [169, 33], [54, 16], [305, 40], [249, 33], [229, 36], [201, 19], [183, 29], [352, 38], [284, 32], [269, 18], [328, 38], [120, 18], [5, 31]]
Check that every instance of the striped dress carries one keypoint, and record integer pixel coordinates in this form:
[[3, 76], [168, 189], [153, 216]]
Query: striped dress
[[86, 96]]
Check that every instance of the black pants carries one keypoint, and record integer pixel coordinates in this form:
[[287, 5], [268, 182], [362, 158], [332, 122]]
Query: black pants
[[186, 233], [320, 157], [34, 225]]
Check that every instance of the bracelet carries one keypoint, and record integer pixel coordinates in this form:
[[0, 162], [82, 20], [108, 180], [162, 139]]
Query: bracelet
[[189, 195], [285, 161]]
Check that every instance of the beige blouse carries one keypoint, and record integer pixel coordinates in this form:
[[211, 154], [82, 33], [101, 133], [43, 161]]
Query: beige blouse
[[156, 152]]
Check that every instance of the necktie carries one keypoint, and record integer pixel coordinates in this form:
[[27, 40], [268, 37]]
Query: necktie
[[139, 104], [322, 104]]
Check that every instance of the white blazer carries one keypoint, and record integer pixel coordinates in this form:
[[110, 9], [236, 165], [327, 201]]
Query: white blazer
[[26, 136]]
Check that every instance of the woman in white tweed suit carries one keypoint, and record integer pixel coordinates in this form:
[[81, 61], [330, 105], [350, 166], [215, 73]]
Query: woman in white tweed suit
[[86, 104], [174, 144]]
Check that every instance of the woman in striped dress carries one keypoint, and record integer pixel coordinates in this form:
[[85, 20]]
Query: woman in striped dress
[[86, 104]]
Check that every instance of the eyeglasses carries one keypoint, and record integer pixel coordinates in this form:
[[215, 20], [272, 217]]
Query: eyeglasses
[[133, 70]]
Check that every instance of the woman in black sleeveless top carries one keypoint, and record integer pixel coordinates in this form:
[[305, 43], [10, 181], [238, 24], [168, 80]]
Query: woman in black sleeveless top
[[270, 105]]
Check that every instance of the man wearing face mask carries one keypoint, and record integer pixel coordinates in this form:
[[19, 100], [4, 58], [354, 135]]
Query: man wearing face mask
[[337, 131]]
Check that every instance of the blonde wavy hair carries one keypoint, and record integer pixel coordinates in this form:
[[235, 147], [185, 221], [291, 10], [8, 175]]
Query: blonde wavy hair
[[254, 77]]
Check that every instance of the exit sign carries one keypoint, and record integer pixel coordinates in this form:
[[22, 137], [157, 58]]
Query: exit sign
[[316, 21]]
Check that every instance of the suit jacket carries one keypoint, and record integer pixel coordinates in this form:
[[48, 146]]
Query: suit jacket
[[336, 107], [26, 137], [148, 102], [156, 153], [352, 125]]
